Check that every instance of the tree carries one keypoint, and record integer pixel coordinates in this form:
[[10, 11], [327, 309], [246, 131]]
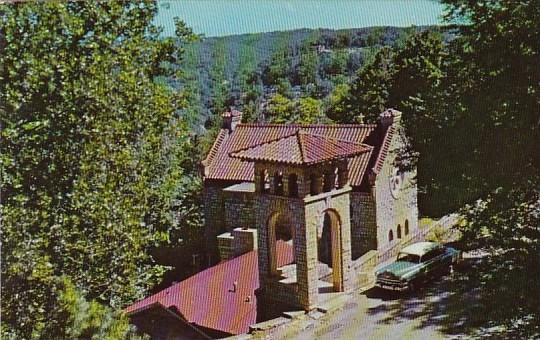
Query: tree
[[337, 65], [337, 106], [506, 224], [72, 317], [92, 154], [308, 66], [278, 68], [369, 91], [498, 54], [308, 111], [221, 97], [280, 109]]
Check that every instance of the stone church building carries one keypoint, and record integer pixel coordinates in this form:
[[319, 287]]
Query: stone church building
[[292, 212], [333, 192]]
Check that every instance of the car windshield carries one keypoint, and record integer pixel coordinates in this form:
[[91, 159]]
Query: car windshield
[[408, 258]]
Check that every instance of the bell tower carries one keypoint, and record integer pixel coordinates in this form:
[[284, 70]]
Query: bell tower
[[302, 216]]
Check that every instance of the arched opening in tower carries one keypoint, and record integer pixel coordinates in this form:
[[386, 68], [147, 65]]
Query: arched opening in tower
[[282, 248], [329, 253]]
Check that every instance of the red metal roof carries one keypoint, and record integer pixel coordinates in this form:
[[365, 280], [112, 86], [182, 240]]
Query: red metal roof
[[301, 148], [206, 299], [222, 166]]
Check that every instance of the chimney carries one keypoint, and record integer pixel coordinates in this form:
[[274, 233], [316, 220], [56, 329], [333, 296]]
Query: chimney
[[390, 117], [231, 119], [245, 240]]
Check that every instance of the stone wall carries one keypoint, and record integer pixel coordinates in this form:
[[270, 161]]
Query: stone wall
[[363, 224], [271, 209], [306, 216], [238, 210], [391, 211], [363, 269], [214, 223], [223, 211], [225, 246], [337, 204]]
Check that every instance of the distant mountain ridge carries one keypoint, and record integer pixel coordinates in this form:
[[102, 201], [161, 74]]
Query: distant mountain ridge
[[233, 17], [219, 71]]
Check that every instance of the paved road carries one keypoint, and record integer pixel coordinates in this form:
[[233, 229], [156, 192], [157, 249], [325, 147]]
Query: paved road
[[439, 310]]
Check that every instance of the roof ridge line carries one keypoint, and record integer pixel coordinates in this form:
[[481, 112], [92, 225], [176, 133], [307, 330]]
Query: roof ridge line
[[300, 145], [298, 125], [331, 138], [214, 148]]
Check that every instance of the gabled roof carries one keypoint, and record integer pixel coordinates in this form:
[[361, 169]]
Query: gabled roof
[[206, 299], [300, 148], [219, 165]]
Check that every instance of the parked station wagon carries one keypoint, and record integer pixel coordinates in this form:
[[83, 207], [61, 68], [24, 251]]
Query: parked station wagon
[[415, 264]]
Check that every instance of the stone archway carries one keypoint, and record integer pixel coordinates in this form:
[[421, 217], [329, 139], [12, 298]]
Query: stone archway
[[280, 229], [330, 248]]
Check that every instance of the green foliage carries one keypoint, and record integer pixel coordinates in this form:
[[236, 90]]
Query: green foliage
[[73, 317], [305, 110], [464, 102], [506, 225], [337, 103], [309, 110], [498, 54], [93, 157], [279, 66], [308, 66], [279, 109], [220, 83], [338, 63], [369, 92]]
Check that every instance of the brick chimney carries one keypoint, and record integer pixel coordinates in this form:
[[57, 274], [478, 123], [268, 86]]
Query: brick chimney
[[389, 117], [231, 119], [245, 240]]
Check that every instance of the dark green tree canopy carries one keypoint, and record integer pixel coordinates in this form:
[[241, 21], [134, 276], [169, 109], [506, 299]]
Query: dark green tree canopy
[[93, 154]]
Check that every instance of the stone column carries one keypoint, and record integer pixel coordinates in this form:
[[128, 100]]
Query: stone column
[[343, 205], [306, 260]]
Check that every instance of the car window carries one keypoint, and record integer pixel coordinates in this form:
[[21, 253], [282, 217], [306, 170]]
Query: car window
[[432, 254], [408, 258]]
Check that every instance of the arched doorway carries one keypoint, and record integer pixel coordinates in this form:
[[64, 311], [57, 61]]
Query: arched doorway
[[281, 255], [330, 248], [325, 242]]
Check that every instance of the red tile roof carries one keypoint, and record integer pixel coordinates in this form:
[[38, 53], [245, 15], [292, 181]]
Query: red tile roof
[[212, 154], [300, 148], [222, 166], [206, 299]]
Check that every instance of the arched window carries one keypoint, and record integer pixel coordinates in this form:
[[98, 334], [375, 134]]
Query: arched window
[[406, 227], [313, 187], [390, 236], [293, 185], [278, 183], [265, 181], [399, 231]]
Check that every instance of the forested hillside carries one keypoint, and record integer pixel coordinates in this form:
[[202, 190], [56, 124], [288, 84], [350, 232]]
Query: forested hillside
[[249, 71]]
